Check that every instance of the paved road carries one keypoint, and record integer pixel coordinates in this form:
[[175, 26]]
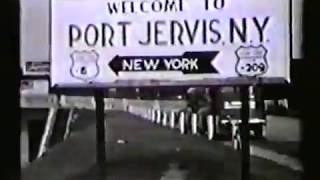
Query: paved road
[[150, 153]]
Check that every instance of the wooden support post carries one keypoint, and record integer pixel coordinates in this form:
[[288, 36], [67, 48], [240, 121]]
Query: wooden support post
[[244, 133], [100, 128]]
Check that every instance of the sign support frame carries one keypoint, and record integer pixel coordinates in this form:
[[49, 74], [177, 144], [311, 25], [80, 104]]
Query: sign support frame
[[100, 128], [243, 83], [244, 132]]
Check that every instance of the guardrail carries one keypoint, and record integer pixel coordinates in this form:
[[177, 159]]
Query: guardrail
[[176, 120], [173, 119]]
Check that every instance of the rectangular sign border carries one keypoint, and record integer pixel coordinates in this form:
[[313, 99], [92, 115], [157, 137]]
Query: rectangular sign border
[[237, 81]]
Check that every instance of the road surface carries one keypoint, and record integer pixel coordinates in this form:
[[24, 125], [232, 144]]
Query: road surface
[[140, 150]]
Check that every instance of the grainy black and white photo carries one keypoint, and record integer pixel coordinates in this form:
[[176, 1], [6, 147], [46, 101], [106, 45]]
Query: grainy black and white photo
[[161, 89]]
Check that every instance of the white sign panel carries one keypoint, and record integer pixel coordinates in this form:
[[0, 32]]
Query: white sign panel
[[34, 32], [297, 49], [100, 41]]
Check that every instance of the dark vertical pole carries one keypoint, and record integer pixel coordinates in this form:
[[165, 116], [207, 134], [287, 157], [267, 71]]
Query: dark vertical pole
[[100, 127], [214, 97], [308, 90], [244, 133], [11, 76], [259, 99], [58, 93]]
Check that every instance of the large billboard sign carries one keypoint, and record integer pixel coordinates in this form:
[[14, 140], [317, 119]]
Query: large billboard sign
[[101, 41]]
